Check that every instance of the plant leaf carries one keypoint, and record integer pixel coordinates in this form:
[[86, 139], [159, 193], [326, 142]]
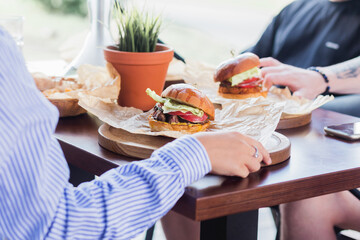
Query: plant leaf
[[138, 31]]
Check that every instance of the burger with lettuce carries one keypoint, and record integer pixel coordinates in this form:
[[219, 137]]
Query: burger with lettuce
[[240, 77], [181, 107]]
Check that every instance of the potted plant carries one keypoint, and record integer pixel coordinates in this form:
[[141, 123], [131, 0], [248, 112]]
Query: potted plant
[[141, 62]]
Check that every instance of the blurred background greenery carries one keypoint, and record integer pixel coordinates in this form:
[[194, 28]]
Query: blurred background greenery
[[76, 7], [203, 30]]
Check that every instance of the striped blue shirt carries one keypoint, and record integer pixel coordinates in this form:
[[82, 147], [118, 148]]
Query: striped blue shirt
[[36, 199]]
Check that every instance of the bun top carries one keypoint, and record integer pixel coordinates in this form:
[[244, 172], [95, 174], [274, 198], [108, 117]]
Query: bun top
[[233, 66], [187, 94]]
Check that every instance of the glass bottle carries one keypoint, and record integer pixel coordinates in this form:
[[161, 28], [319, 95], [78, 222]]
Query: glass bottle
[[98, 37]]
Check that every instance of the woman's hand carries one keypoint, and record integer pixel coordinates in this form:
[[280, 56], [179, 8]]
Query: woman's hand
[[301, 82], [233, 154]]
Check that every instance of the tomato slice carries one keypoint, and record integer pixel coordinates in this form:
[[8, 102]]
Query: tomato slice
[[251, 82], [249, 85], [178, 113], [188, 116], [193, 118]]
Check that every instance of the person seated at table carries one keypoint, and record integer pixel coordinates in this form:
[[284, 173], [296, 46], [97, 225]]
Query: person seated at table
[[304, 34], [315, 33], [38, 202], [303, 219], [315, 218]]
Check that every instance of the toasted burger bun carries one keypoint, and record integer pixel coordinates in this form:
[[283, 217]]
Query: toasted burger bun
[[244, 95], [158, 126], [239, 64], [187, 94]]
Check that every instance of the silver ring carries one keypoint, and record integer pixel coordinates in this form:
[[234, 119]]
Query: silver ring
[[256, 154]]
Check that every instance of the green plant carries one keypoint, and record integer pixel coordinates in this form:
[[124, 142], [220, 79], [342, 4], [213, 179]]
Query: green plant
[[138, 31]]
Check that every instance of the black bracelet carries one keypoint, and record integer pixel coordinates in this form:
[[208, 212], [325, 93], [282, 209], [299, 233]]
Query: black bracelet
[[315, 69]]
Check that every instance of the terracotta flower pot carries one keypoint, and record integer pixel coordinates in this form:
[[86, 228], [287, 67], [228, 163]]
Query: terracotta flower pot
[[138, 71]]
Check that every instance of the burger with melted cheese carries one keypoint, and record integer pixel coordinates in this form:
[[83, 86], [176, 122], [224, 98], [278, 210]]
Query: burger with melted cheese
[[240, 77], [181, 107]]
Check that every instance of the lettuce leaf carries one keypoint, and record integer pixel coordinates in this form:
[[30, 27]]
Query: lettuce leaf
[[239, 78], [170, 105]]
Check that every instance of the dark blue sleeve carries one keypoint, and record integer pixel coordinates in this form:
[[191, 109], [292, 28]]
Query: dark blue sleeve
[[265, 45]]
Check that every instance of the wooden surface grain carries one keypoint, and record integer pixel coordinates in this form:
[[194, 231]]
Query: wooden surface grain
[[318, 165]]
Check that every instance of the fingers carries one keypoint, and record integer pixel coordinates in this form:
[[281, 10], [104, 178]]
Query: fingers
[[272, 76], [233, 161], [272, 69], [269, 62], [268, 82], [264, 155], [254, 160], [304, 82], [256, 154], [276, 77], [242, 171], [275, 73], [262, 151]]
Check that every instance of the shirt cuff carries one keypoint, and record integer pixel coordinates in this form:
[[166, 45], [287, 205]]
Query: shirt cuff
[[190, 156]]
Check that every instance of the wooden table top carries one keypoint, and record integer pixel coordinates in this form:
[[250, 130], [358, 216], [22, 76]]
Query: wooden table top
[[318, 165]]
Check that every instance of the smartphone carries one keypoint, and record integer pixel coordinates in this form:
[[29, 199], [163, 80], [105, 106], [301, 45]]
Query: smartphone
[[349, 131]]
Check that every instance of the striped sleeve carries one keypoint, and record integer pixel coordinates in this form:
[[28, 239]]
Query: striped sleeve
[[36, 199], [33, 171], [125, 201]]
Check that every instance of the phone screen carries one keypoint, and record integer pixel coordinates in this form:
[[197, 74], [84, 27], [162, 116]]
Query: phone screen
[[349, 130]]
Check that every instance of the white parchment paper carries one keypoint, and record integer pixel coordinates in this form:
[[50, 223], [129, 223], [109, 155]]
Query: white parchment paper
[[255, 118]]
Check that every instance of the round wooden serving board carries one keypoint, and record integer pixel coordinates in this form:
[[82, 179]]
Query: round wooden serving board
[[293, 122], [142, 146]]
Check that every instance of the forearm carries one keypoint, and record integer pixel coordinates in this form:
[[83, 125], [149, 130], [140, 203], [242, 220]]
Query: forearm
[[36, 200], [127, 200], [344, 77]]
